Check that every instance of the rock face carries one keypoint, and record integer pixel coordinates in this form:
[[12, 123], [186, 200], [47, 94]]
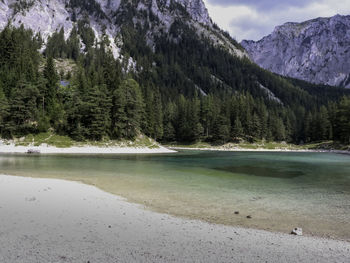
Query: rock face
[[317, 51], [107, 16]]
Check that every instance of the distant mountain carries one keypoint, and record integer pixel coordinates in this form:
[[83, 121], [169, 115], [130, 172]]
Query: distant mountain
[[317, 50]]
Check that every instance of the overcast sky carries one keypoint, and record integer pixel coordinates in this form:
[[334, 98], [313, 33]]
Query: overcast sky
[[253, 19]]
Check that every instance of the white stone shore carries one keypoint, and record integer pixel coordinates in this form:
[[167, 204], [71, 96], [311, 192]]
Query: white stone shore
[[50, 220], [46, 149]]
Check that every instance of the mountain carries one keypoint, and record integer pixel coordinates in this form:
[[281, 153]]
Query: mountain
[[110, 69], [317, 50], [47, 16]]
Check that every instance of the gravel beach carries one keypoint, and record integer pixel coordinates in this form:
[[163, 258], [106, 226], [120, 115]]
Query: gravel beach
[[49, 220], [88, 149]]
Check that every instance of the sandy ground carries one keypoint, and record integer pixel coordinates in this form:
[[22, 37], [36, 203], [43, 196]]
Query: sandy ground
[[11, 148], [49, 220]]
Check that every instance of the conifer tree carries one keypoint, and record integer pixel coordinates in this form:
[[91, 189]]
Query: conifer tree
[[129, 109], [50, 91], [237, 128], [342, 126], [4, 114], [23, 109], [98, 113]]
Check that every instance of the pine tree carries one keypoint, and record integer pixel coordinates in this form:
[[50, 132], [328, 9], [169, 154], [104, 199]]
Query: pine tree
[[4, 114], [158, 109], [308, 127], [324, 124], [50, 91], [237, 128], [129, 109], [97, 117], [207, 114], [256, 126], [169, 117], [195, 129], [221, 133], [23, 109], [278, 129], [150, 113], [342, 127]]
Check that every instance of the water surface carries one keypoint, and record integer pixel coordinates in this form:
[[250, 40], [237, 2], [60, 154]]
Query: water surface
[[279, 190]]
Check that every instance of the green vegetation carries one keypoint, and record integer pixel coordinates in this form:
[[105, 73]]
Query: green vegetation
[[185, 90], [45, 138], [59, 141]]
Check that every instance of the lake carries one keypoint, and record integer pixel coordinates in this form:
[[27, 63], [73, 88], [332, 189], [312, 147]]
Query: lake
[[279, 190]]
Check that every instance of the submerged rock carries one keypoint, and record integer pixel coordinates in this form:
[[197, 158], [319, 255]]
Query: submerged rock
[[297, 231]]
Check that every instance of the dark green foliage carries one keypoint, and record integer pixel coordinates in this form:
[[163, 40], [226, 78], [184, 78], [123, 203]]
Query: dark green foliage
[[185, 90], [23, 109], [19, 57], [221, 131], [237, 130], [4, 115], [86, 33], [96, 113], [128, 104], [49, 93], [56, 45], [342, 121], [92, 7]]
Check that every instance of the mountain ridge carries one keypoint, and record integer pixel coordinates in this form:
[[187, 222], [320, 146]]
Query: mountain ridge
[[47, 16], [317, 50]]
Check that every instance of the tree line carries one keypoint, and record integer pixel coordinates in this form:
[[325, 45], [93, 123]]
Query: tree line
[[184, 91]]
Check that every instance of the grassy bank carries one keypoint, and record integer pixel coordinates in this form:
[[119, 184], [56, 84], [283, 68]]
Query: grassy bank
[[52, 139]]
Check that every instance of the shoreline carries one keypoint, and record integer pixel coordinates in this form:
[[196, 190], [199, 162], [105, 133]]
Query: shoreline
[[10, 147], [55, 219], [86, 149], [220, 149]]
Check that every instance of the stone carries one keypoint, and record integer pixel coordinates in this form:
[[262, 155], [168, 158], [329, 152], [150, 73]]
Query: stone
[[249, 217], [32, 151], [236, 212], [297, 231]]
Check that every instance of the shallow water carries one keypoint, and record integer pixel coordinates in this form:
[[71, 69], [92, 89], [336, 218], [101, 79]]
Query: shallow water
[[279, 190]]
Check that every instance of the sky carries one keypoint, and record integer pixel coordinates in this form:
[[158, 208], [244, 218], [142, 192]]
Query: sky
[[254, 19]]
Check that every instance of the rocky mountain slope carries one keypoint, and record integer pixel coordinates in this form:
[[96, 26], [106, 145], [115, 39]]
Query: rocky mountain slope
[[161, 67], [107, 16], [317, 51]]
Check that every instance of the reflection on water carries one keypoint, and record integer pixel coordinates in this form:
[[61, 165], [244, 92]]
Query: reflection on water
[[279, 190], [262, 171]]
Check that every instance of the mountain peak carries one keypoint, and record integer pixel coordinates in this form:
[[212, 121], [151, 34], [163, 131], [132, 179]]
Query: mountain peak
[[316, 50], [109, 16]]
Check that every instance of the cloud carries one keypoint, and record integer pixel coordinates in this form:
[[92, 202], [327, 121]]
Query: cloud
[[249, 19], [262, 4]]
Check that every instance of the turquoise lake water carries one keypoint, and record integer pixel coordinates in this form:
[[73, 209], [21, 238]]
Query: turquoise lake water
[[278, 190]]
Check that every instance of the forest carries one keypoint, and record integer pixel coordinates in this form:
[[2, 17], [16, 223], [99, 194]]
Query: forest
[[186, 90]]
